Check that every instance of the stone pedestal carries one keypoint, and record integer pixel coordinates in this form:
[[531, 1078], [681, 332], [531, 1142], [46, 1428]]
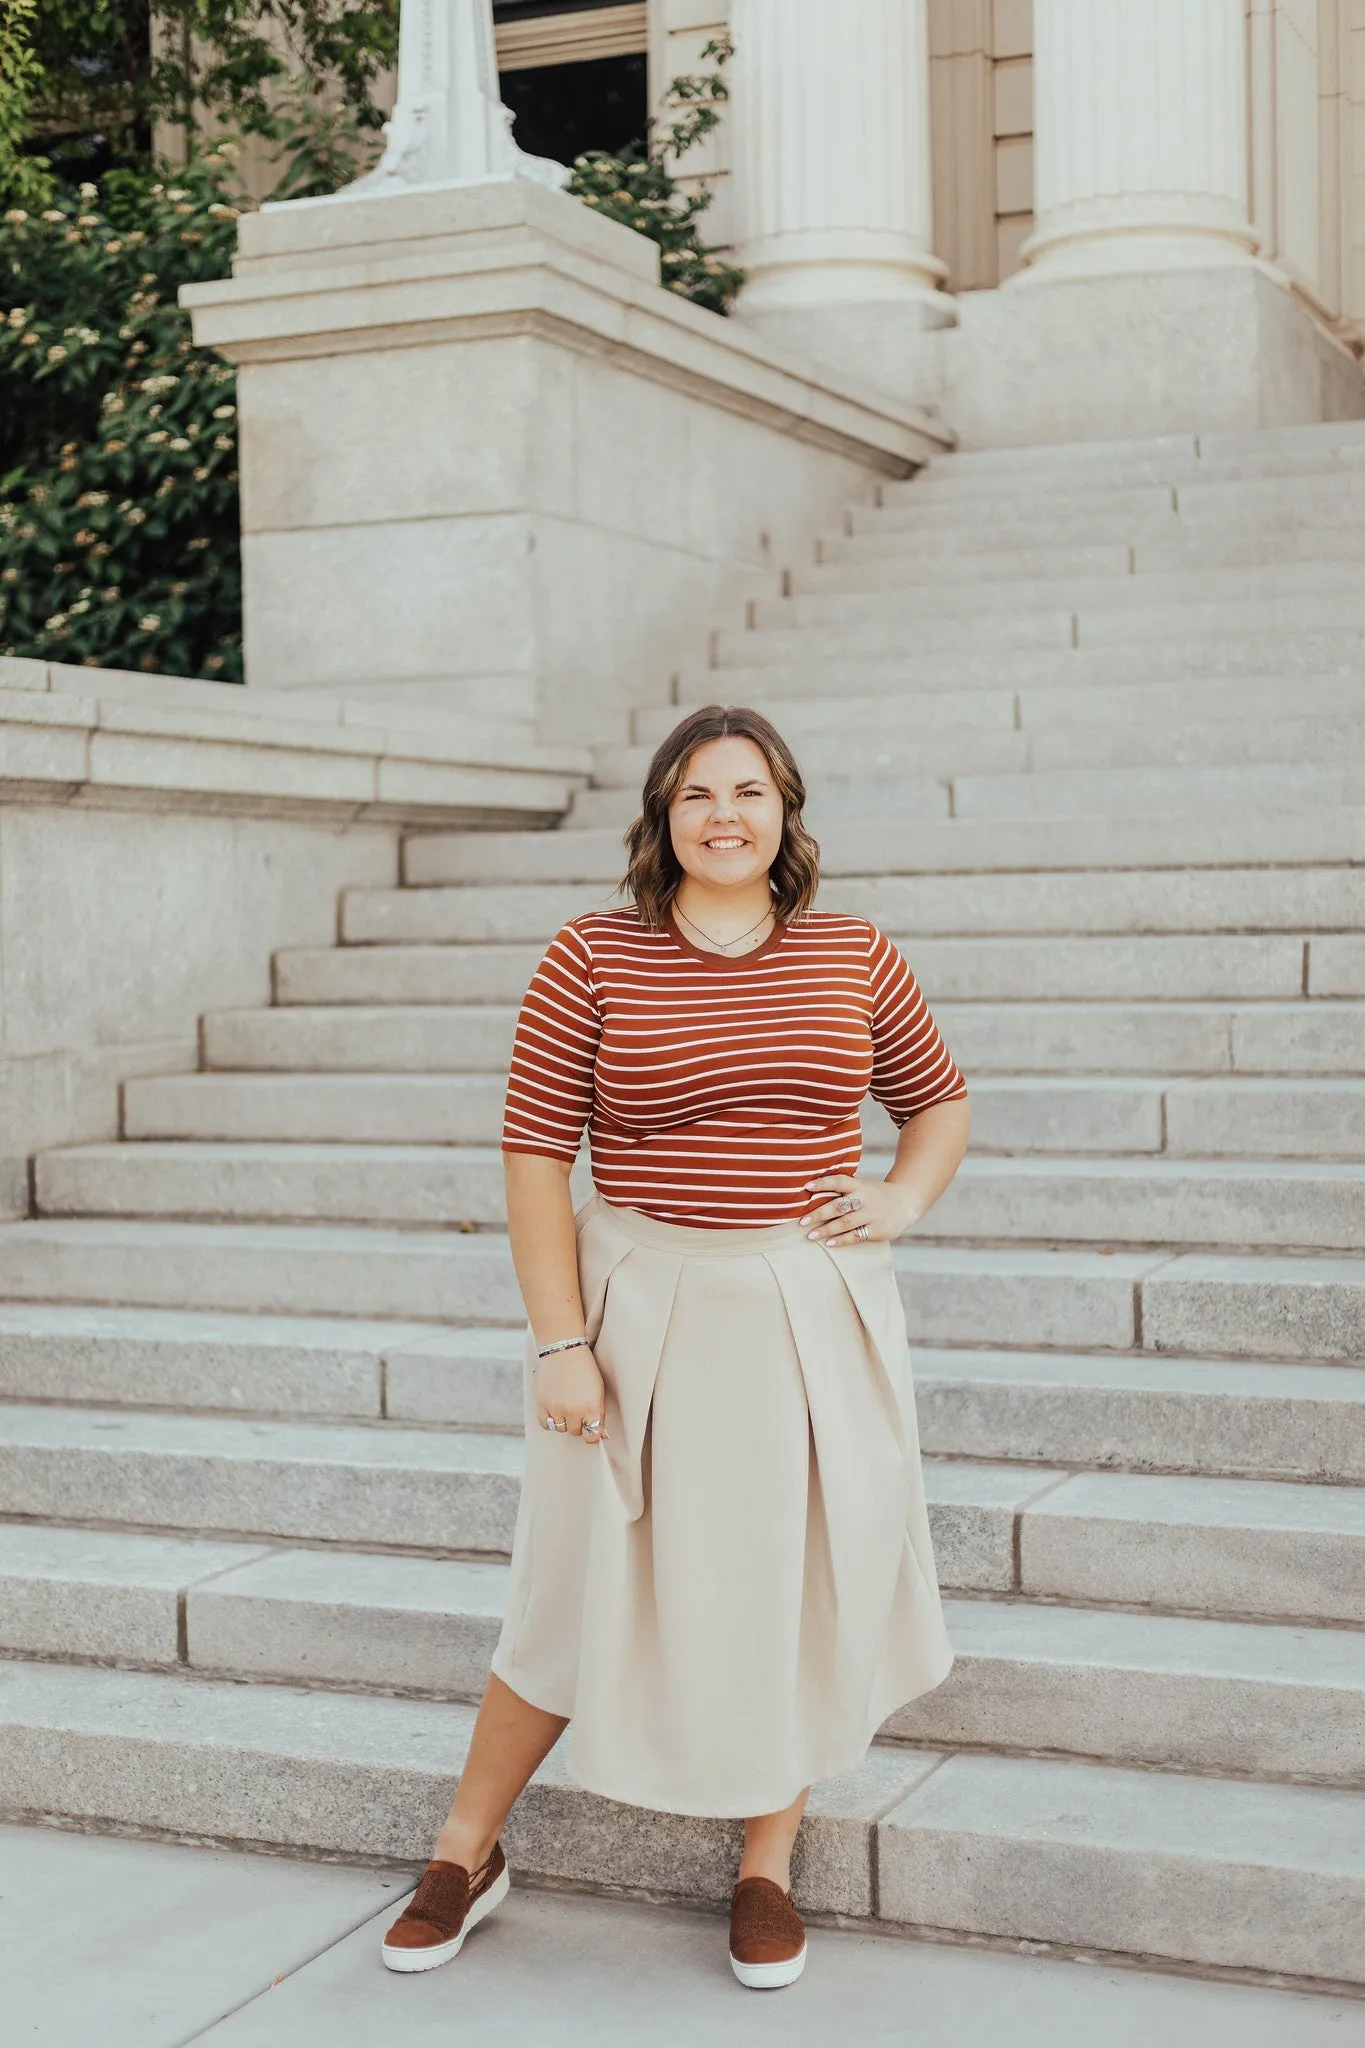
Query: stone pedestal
[[1106, 358], [832, 182], [488, 462]]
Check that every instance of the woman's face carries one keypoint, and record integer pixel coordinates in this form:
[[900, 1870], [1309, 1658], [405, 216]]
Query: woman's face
[[726, 820]]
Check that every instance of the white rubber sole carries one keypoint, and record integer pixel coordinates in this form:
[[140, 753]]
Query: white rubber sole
[[410, 1959], [769, 1976]]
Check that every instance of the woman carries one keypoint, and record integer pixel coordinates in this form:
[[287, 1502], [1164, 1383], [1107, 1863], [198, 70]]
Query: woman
[[722, 1573]]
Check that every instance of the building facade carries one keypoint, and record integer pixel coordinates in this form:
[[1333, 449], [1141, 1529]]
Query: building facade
[[1292, 98]]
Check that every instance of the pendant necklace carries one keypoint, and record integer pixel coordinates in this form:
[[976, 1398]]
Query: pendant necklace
[[721, 944]]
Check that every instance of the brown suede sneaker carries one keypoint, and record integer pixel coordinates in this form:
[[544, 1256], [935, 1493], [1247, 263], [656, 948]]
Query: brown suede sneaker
[[446, 1904], [767, 1935]]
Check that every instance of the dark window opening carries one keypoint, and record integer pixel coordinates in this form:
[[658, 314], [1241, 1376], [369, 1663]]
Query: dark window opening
[[534, 10], [561, 110]]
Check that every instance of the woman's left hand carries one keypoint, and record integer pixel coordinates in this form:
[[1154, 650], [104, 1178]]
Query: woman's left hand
[[883, 1208]]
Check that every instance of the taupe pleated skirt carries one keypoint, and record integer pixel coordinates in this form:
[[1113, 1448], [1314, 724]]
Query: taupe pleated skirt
[[729, 1597]]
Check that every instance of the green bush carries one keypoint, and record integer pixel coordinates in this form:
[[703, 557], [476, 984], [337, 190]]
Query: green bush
[[639, 188], [118, 438]]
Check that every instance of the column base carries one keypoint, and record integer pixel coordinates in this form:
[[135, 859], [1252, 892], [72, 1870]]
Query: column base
[[892, 345], [1104, 358]]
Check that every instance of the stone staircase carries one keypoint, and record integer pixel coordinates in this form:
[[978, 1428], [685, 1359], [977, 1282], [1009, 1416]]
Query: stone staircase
[[1085, 730]]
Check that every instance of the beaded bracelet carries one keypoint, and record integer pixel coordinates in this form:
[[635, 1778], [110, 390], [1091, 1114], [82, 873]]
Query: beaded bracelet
[[564, 1344]]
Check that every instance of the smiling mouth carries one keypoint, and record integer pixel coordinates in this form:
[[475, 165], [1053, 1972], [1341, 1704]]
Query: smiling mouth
[[724, 845]]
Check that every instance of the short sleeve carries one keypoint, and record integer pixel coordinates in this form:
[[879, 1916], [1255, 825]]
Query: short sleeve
[[911, 1066], [550, 1082]]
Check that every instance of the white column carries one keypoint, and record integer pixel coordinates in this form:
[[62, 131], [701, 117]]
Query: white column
[[830, 126], [1140, 136]]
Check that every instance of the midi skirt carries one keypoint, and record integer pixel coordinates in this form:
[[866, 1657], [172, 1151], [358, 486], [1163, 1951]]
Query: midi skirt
[[729, 1596]]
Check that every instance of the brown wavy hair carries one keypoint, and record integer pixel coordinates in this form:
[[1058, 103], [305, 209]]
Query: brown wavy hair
[[654, 871]]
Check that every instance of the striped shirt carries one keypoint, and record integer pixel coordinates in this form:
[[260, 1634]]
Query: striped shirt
[[713, 1088]]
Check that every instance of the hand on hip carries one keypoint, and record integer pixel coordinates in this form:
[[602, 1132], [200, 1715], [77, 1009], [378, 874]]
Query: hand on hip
[[852, 1211]]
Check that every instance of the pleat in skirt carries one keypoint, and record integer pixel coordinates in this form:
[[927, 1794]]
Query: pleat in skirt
[[728, 1597]]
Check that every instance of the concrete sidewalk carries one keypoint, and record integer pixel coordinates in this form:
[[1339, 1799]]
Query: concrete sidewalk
[[141, 1945]]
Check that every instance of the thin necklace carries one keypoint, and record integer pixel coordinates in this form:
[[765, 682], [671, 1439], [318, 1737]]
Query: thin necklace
[[721, 943]]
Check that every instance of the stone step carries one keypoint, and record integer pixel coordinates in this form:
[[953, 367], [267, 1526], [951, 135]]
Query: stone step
[[877, 588], [325, 1482], [1156, 792], [1235, 1418], [299, 1107], [413, 1489], [469, 1039], [751, 665], [879, 754], [878, 625], [262, 1364], [1310, 444], [1263, 1548], [968, 846], [429, 1185], [1059, 715], [1228, 1118], [1290, 475], [1217, 1417], [1014, 524], [1067, 1299], [1128, 1687], [1237, 899], [1155, 1037], [892, 555], [463, 1109], [1277, 1204], [1184, 966], [947, 497], [1272, 1204], [1133, 548], [1336, 966], [1256, 1038], [1214, 1871], [1010, 1113], [1191, 783], [365, 1777]]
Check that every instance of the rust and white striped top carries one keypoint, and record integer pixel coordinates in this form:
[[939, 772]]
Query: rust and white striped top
[[712, 1087]]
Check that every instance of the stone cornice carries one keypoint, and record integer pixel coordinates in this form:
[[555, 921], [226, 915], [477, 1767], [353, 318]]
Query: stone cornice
[[517, 260]]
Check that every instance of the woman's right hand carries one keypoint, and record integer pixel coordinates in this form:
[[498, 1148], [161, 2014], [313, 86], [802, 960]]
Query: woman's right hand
[[570, 1392]]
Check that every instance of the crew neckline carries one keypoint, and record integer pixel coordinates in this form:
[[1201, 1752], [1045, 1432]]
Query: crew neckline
[[723, 960]]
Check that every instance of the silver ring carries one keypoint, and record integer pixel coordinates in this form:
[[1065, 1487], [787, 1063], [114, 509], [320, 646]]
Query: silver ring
[[592, 1428], [548, 1423], [862, 1231], [561, 1427]]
